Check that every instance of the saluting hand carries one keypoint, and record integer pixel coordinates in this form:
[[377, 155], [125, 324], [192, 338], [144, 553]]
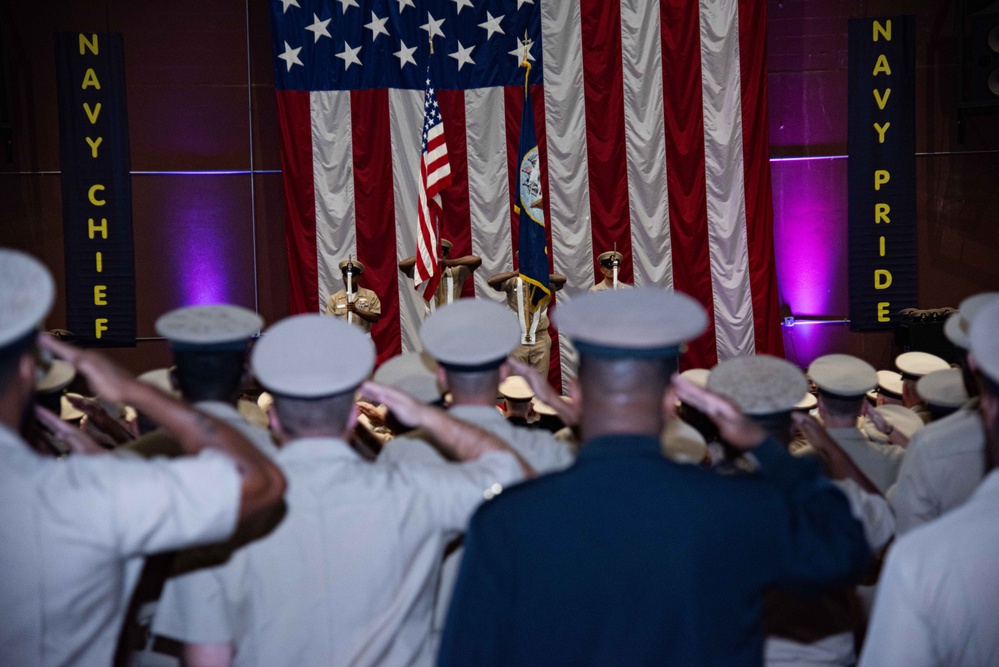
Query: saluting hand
[[405, 408], [733, 426], [568, 412], [77, 441], [105, 377]]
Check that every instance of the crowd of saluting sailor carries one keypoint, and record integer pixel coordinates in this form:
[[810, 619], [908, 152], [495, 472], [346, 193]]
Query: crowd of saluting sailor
[[272, 499]]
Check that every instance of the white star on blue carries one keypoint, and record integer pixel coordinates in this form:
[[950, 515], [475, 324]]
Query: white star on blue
[[472, 53]]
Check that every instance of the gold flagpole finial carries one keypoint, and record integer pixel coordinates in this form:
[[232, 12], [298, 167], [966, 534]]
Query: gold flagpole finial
[[525, 63]]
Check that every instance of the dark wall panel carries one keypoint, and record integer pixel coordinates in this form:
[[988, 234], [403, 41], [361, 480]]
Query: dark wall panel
[[199, 79], [194, 243], [958, 233]]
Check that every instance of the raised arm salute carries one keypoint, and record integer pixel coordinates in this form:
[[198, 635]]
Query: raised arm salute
[[67, 526]]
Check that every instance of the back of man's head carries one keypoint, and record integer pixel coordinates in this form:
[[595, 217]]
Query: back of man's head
[[628, 343], [470, 339], [840, 407], [330, 416], [26, 295], [209, 349], [623, 395], [209, 375], [472, 387], [312, 365]]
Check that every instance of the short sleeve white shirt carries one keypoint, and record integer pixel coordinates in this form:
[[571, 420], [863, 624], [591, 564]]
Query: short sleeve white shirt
[[68, 527], [938, 597]]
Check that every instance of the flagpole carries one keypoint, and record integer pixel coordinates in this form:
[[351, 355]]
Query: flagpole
[[525, 292]]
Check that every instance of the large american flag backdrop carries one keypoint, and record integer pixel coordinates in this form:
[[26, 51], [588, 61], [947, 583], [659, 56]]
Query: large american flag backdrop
[[652, 131]]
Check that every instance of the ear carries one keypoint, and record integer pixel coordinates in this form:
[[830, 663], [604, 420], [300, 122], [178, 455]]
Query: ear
[[442, 378]]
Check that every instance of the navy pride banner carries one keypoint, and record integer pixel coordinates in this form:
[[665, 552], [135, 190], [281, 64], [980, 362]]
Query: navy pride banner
[[882, 170], [96, 189]]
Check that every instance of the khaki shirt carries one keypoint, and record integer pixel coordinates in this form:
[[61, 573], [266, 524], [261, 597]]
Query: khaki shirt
[[68, 527], [458, 274], [336, 306], [343, 579], [602, 286], [510, 287]]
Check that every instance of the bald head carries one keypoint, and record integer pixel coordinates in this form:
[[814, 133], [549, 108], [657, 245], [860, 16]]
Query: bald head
[[623, 395]]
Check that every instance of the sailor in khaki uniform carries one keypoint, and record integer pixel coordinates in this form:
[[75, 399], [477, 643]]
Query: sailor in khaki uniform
[[945, 461], [68, 526], [343, 578], [843, 380], [471, 340], [802, 630], [535, 346], [355, 304], [610, 263], [456, 271]]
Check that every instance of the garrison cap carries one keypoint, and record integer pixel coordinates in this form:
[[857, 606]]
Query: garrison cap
[[944, 388], [905, 420], [607, 259], [67, 411], [843, 375], [958, 325], [914, 365], [760, 384], [311, 356], [682, 443], [890, 384], [353, 264], [642, 322], [543, 408], [26, 295], [252, 413], [220, 326], [515, 388], [160, 378], [56, 378], [413, 373], [983, 343], [470, 334], [698, 376], [807, 403]]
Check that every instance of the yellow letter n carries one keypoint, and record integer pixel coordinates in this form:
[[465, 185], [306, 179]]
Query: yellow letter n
[[885, 30]]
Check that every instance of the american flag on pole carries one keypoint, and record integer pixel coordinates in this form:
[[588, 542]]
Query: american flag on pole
[[652, 134], [435, 175]]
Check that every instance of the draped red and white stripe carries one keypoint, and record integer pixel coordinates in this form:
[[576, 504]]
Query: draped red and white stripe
[[652, 132]]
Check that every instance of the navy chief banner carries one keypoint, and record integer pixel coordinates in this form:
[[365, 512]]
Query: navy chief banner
[[96, 189], [882, 170]]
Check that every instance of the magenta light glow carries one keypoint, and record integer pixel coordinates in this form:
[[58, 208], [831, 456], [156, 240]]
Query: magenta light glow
[[810, 236], [204, 255]]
